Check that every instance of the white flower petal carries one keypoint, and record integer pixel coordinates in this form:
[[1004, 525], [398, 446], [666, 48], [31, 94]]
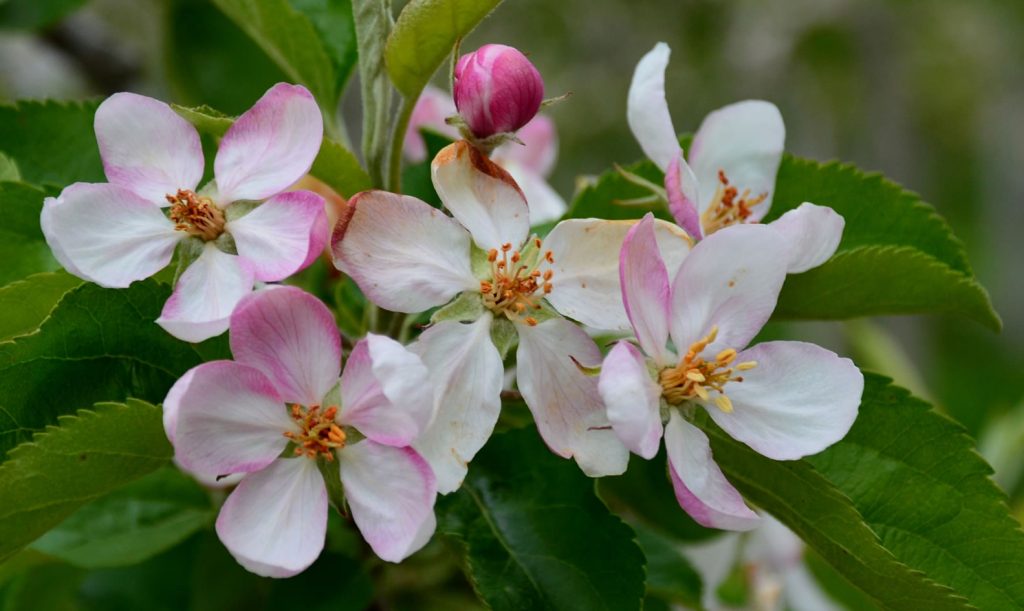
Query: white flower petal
[[467, 374], [275, 521], [797, 401], [277, 236], [632, 399], [811, 233], [545, 203], [647, 108], [405, 255]]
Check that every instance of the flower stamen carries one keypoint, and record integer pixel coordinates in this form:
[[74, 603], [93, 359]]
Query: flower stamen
[[319, 434], [729, 206], [196, 215], [695, 377], [515, 282]]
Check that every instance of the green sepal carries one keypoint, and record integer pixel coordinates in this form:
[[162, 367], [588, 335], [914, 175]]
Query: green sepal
[[189, 250], [478, 262], [332, 478], [504, 335], [239, 209], [467, 307]]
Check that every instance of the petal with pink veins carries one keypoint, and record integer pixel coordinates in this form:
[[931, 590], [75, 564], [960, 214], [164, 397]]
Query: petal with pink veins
[[586, 284], [107, 234], [275, 521], [565, 402], [645, 290], [811, 233], [467, 375], [481, 195], [683, 194], [206, 294], [731, 280], [386, 392], [391, 493], [700, 486], [270, 146], [291, 337], [745, 140], [229, 419], [647, 108], [632, 398], [147, 148], [405, 255], [797, 401], [275, 238]]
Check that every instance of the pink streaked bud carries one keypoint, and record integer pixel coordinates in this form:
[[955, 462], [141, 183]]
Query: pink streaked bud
[[497, 90]]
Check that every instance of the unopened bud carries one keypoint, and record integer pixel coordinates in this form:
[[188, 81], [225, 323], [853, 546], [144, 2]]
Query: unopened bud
[[497, 90]]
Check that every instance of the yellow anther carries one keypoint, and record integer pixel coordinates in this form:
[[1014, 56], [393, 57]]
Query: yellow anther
[[724, 403], [196, 215], [728, 206], [318, 434], [746, 365], [695, 377], [726, 356], [516, 283]]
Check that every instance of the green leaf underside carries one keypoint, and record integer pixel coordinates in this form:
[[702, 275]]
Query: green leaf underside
[[23, 248], [536, 536], [424, 35], [65, 467], [131, 524], [917, 481], [97, 345], [52, 142], [26, 303]]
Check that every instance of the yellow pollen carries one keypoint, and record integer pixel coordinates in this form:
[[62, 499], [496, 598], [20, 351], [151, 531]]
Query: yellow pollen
[[729, 206], [516, 284], [696, 377], [319, 434], [196, 215]]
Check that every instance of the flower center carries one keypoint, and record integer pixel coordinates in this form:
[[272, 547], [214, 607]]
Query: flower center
[[729, 206], [694, 376], [196, 215], [319, 434], [515, 281]]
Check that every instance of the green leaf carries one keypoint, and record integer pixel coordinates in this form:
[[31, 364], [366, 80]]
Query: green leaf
[[669, 574], [424, 35], [9, 169], [335, 24], [290, 39], [34, 14], [919, 484], [52, 142], [23, 248], [97, 345], [416, 179], [536, 536], [26, 303], [373, 22], [131, 524], [87, 456], [604, 196]]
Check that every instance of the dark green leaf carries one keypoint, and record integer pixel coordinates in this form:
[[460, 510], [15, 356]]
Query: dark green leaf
[[603, 197], [26, 303], [334, 22], [85, 457], [416, 180], [23, 248], [34, 14], [669, 574], [52, 142], [536, 536]]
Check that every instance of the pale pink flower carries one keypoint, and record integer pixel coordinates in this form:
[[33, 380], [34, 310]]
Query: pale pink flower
[[784, 399], [127, 229], [282, 391], [729, 176], [496, 90]]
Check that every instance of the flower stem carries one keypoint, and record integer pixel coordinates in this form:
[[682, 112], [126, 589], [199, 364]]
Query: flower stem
[[397, 139]]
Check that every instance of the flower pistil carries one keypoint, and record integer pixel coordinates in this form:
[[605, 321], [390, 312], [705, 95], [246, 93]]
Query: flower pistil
[[694, 376], [515, 281], [319, 434], [196, 215]]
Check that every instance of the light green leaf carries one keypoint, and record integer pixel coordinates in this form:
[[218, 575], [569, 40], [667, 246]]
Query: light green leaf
[[97, 345], [536, 536], [335, 24], [373, 22], [52, 142], [9, 169], [424, 35], [132, 523], [26, 303], [85, 457], [23, 248]]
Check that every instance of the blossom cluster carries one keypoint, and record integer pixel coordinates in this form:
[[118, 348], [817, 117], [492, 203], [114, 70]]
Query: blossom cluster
[[285, 423]]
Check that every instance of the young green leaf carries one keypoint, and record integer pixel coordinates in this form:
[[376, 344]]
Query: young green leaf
[[26, 303], [65, 467], [536, 536], [52, 142], [23, 248]]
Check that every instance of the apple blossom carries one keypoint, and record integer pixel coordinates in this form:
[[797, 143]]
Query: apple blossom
[[729, 175], [127, 229], [496, 90], [277, 415], [784, 399]]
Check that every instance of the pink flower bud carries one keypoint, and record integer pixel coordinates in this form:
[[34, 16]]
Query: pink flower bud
[[497, 90]]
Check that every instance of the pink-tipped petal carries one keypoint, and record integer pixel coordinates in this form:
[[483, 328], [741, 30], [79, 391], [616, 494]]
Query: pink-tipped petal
[[431, 110], [172, 403], [537, 153], [797, 401], [270, 146], [586, 283], [745, 140], [565, 402], [467, 376], [731, 280], [206, 294], [275, 521], [546, 205], [632, 399], [107, 234], [647, 108], [645, 290], [230, 419], [146, 147], [811, 233], [683, 195], [291, 337], [700, 486], [386, 393], [481, 195], [405, 255], [277, 237], [391, 493]]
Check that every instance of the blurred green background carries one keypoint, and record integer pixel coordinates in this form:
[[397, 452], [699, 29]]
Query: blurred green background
[[929, 93]]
